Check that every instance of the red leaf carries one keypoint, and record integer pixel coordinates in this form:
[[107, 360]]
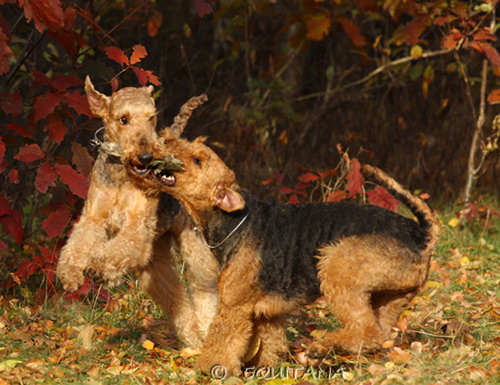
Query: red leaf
[[5, 53], [56, 222], [286, 190], [56, 128], [144, 76], [13, 225], [318, 26], [293, 199], [63, 82], [202, 8], [40, 79], [336, 196], [484, 35], [30, 153], [81, 159], [154, 23], [138, 53], [4, 206], [117, 55], [327, 173], [76, 182], [451, 40], [412, 30], [45, 105], [78, 102], [308, 177], [43, 12], [29, 267], [379, 196], [20, 130], [353, 31], [45, 177], [491, 53], [2, 149], [493, 98], [12, 103], [355, 179], [14, 176]]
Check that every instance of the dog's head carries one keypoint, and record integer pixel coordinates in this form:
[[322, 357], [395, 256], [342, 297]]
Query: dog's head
[[192, 173], [129, 117]]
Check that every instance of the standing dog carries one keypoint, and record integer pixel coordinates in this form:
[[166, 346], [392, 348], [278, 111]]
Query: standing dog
[[122, 228], [367, 261]]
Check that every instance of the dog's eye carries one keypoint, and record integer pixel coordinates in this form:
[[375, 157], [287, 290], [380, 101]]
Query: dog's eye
[[197, 161], [123, 120]]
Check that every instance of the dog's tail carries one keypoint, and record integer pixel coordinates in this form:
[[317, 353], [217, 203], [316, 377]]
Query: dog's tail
[[425, 215]]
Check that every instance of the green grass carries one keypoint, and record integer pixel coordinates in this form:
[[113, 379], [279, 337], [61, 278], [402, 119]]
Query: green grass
[[452, 332]]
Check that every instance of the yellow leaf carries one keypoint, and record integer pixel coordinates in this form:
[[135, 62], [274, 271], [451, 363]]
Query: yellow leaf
[[318, 26], [348, 376], [148, 345], [253, 349], [454, 222], [464, 261], [319, 333], [416, 51], [9, 364], [190, 352], [399, 356], [174, 366]]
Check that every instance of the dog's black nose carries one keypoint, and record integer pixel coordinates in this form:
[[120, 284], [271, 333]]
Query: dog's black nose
[[145, 158]]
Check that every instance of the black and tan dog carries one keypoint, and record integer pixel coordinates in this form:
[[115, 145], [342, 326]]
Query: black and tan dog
[[367, 261]]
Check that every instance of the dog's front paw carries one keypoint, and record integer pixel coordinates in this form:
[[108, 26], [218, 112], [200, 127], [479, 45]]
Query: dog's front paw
[[94, 276], [70, 278], [218, 368], [318, 350]]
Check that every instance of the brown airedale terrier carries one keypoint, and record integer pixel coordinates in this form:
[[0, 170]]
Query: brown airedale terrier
[[368, 262], [122, 228]]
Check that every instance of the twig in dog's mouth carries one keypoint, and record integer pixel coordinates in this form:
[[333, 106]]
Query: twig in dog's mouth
[[163, 170]]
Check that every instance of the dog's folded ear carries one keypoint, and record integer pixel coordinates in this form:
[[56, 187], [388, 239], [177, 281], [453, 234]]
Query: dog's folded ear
[[228, 200]]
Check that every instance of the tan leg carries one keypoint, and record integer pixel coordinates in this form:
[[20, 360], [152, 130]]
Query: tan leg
[[87, 236], [388, 307], [132, 246], [227, 340], [160, 280], [202, 273], [273, 342], [351, 271]]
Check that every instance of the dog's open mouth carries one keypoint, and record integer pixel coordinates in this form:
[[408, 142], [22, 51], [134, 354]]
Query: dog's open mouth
[[139, 169], [166, 177], [163, 170]]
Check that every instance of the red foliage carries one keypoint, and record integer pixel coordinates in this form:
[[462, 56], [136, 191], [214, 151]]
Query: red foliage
[[45, 177], [56, 128], [56, 222], [11, 103], [77, 183], [30, 153], [353, 31], [202, 7], [379, 196], [45, 105], [355, 179]]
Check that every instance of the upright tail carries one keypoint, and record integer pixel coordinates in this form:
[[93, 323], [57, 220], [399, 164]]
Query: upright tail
[[425, 215]]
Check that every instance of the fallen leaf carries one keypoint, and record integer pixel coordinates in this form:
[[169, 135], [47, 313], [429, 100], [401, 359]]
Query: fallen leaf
[[190, 352], [148, 345]]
